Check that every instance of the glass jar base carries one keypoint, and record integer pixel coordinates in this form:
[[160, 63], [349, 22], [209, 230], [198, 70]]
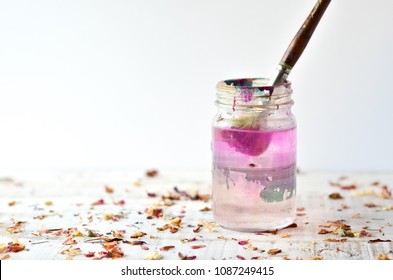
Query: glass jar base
[[256, 227]]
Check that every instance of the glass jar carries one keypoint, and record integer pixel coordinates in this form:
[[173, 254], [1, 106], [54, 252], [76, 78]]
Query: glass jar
[[254, 155]]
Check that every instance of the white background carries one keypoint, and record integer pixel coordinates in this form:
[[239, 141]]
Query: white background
[[131, 84]]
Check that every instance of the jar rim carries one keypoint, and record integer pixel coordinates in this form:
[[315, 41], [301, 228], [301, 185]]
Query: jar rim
[[253, 93], [260, 84]]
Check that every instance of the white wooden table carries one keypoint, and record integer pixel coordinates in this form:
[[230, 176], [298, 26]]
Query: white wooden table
[[133, 216]]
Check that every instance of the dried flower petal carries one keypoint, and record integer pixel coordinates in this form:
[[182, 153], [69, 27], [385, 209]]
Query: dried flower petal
[[198, 246], [118, 233], [243, 242], [12, 203], [324, 231], [383, 257], [154, 212], [209, 226], [370, 205], [379, 240], [152, 173], [316, 258], [40, 217], [69, 241], [136, 242], [274, 251], [336, 240], [108, 189], [153, 256], [284, 235], [185, 240], [71, 251], [15, 246], [365, 233], [138, 234], [16, 228], [151, 194], [205, 209], [197, 229], [385, 192], [175, 222], [166, 248], [356, 216], [89, 254], [113, 217], [240, 257], [3, 248], [120, 202], [335, 195], [184, 257], [98, 202]]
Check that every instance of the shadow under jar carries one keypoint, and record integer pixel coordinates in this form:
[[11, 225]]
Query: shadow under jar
[[254, 155]]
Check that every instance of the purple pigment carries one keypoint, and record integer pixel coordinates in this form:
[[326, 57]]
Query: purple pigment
[[254, 177]]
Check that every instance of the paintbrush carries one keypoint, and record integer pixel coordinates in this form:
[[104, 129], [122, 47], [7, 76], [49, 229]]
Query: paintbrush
[[299, 43], [288, 61]]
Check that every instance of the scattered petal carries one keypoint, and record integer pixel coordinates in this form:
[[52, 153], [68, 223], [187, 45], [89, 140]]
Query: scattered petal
[[336, 240], [40, 217], [383, 257], [274, 251], [138, 234], [316, 258], [16, 227], [166, 248], [370, 205], [15, 246], [356, 216], [120, 202], [98, 202], [379, 240], [243, 242], [69, 241], [198, 246], [108, 189], [152, 173], [184, 257], [365, 233], [11, 203], [71, 251], [153, 256], [89, 254], [118, 233], [335, 195], [324, 231], [385, 192], [284, 235]]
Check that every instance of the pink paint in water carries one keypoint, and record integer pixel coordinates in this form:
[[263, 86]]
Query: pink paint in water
[[254, 178]]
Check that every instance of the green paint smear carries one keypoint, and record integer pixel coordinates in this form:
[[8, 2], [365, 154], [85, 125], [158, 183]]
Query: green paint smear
[[273, 195]]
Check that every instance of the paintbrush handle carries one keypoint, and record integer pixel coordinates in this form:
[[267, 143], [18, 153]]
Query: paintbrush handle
[[299, 43]]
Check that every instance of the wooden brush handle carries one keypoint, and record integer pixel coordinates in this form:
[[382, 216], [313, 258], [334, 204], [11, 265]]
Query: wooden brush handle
[[301, 39]]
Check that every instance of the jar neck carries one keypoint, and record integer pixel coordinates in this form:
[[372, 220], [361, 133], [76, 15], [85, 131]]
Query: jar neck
[[253, 95]]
